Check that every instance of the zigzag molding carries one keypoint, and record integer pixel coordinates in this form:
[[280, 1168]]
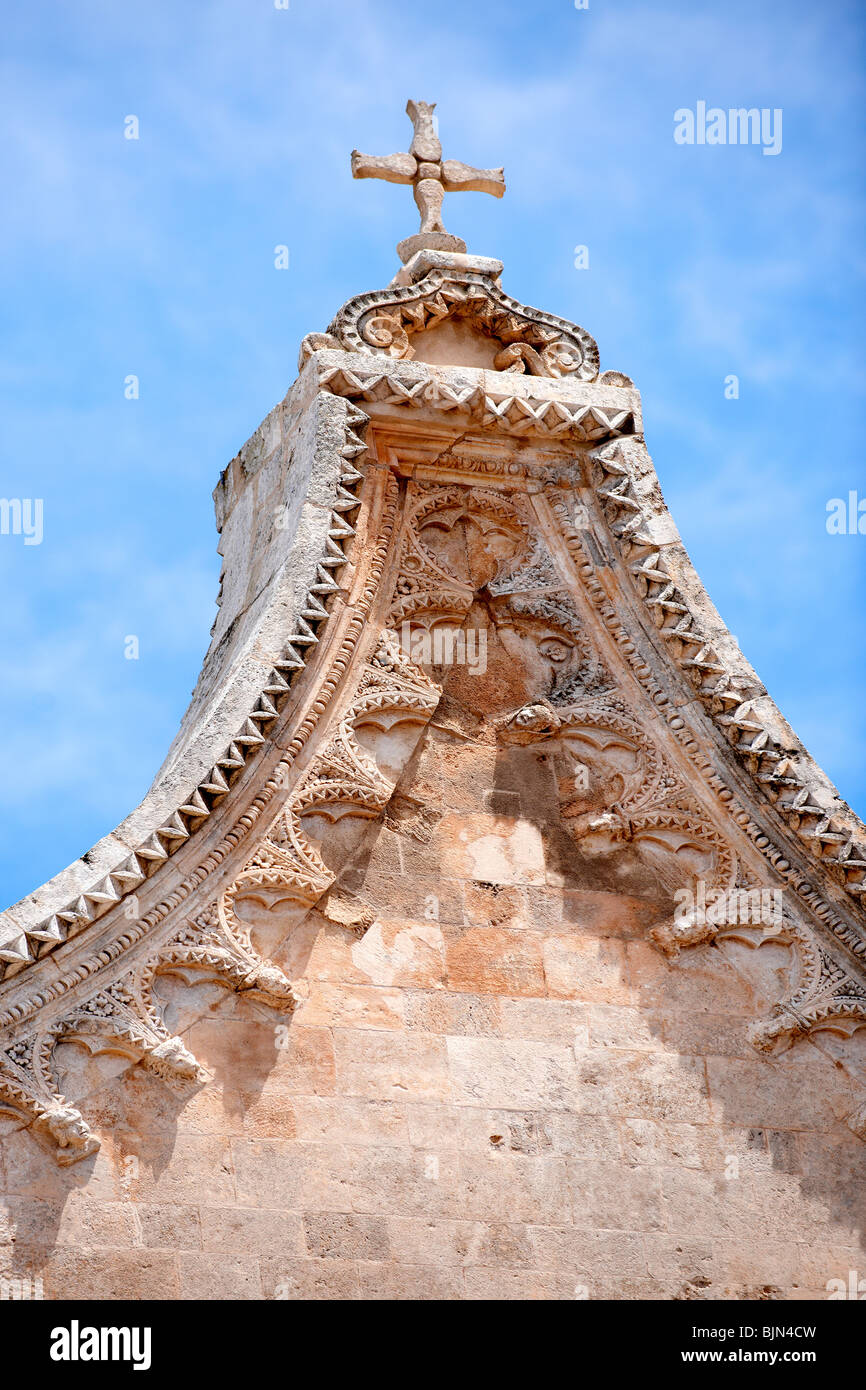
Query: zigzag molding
[[492, 410], [839, 845], [119, 1013], [843, 929], [531, 341]]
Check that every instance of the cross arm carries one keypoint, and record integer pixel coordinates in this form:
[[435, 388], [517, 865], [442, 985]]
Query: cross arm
[[393, 168], [462, 178]]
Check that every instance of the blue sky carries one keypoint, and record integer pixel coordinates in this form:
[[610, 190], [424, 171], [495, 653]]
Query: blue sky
[[155, 257]]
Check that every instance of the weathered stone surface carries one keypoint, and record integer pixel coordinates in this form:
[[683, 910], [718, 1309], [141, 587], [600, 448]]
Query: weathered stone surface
[[402, 982]]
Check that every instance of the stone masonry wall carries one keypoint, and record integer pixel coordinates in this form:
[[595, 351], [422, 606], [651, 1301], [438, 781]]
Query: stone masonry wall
[[500, 1089]]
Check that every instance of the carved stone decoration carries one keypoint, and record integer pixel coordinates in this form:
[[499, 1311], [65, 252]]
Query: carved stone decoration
[[383, 331], [464, 535], [467, 736], [209, 950], [556, 359], [492, 409], [536, 570], [21, 946], [24, 1095], [395, 322], [456, 541], [312, 343], [828, 997], [549, 624], [733, 700], [113, 1019], [286, 875], [615, 791]]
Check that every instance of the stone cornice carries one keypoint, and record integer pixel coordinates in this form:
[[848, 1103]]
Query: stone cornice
[[782, 770]]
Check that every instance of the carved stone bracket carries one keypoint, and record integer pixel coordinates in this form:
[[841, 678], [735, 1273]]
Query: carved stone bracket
[[828, 997]]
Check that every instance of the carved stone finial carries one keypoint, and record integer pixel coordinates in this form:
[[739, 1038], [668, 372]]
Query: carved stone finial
[[431, 177]]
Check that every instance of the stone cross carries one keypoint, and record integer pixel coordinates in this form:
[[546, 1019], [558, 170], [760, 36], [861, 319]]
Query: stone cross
[[431, 177]]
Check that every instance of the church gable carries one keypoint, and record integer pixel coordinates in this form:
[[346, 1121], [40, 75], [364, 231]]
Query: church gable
[[511, 832]]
